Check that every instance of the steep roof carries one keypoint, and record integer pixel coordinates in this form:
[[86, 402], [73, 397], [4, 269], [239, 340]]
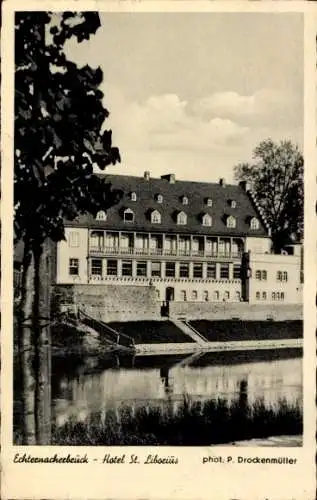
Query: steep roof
[[173, 192]]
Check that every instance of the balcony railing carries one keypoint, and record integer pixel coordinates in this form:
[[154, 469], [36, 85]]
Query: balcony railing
[[163, 252]]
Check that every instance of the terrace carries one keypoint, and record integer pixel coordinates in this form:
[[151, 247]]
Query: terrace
[[103, 243]]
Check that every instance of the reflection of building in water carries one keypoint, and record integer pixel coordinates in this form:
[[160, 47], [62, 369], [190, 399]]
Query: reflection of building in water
[[271, 381]]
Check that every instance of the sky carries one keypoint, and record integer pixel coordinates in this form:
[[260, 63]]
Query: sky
[[193, 94]]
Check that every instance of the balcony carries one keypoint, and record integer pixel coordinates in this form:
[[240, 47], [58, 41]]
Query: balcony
[[157, 252]]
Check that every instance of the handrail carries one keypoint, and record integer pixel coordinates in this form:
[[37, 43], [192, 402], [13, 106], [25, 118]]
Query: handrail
[[104, 326], [164, 252], [196, 331]]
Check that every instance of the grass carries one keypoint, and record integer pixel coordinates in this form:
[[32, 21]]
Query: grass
[[224, 331], [192, 424], [151, 332]]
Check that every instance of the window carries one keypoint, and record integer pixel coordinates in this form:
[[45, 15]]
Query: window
[[236, 272], [112, 240], [263, 295], [141, 269], [224, 271], [127, 268], [157, 294], [184, 245], [73, 240], [207, 220], [96, 239], [159, 198], [194, 295], [101, 215], [170, 269], [211, 270], [238, 296], [156, 217], [206, 296], [254, 223], [184, 270], [216, 295], [257, 295], [128, 215], [74, 267], [156, 269], [185, 200], [233, 204], [209, 202], [197, 270], [182, 218], [183, 295], [278, 296], [261, 275], [133, 196], [226, 295], [96, 267], [112, 267], [231, 222], [282, 276]]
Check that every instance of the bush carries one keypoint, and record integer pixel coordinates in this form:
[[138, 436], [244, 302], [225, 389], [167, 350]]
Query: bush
[[192, 424]]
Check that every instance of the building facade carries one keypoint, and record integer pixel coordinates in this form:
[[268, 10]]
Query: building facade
[[192, 241]]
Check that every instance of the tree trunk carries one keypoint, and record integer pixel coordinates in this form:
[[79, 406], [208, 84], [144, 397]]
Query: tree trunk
[[26, 350], [41, 322], [34, 346]]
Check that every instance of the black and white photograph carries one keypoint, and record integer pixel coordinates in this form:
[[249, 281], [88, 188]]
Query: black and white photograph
[[158, 229]]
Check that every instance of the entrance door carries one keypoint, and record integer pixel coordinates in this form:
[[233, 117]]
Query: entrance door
[[169, 294]]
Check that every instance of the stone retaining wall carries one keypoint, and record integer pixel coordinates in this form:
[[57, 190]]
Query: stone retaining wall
[[110, 302], [233, 310], [133, 303]]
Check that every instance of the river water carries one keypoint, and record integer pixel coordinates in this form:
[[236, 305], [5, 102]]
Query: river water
[[84, 386]]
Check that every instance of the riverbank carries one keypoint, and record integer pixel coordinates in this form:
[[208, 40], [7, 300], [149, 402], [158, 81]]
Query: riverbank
[[192, 424], [272, 441], [150, 349]]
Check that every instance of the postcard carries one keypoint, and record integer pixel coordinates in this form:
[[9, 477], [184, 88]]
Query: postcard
[[158, 250]]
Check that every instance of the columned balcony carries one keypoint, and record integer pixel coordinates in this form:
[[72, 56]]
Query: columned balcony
[[134, 245]]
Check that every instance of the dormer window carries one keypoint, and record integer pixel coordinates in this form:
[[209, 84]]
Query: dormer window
[[254, 223], [184, 200], [231, 222], [159, 198], [207, 220], [133, 196], [209, 202], [182, 218], [233, 204], [128, 215], [156, 217], [101, 215]]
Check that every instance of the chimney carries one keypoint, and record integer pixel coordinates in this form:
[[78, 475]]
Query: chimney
[[146, 175], [222, 181], [246, 186], [169, 177]]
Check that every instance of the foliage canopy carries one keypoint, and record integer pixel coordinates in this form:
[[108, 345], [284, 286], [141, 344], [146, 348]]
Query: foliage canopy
[[276, 176], [59, 127]]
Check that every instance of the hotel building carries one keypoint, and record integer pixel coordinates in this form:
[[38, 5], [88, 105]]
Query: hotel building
[[191, 241]]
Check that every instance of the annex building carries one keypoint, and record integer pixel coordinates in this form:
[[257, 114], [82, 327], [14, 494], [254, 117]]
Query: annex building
[[186, 242]]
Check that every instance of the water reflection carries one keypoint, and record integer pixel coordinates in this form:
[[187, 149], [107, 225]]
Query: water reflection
[[96, 385]]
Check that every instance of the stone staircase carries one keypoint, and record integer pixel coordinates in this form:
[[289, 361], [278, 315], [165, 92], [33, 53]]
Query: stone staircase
[[189, 330]]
